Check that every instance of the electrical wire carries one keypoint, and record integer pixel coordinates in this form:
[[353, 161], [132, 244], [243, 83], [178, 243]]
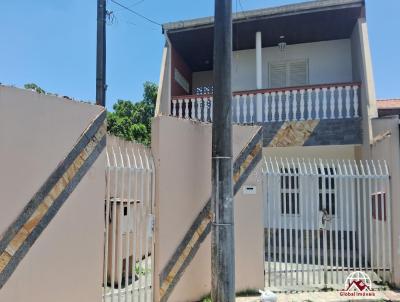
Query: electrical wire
[[135, 12]]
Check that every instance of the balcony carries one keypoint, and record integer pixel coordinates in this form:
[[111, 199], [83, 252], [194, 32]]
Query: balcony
[[316, 102]]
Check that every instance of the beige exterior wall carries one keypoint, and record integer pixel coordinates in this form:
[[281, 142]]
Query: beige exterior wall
[[389, 150], [323, 152], [164, 84], [182, 155], [363, 72], [65, 263]]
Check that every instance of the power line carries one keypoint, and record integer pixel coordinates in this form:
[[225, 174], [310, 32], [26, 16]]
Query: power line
[[241, 8], [136, 13], [131, 6]]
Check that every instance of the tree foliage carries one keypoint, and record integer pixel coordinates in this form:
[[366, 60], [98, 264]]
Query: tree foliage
[[33, 86], [132, 121]]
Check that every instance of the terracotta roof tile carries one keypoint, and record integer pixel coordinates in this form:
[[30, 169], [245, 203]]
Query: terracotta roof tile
[[388, 104]]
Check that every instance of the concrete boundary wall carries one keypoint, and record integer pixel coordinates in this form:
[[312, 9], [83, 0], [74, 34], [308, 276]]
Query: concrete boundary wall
[[65, 263], [182, 156], [387, 147]]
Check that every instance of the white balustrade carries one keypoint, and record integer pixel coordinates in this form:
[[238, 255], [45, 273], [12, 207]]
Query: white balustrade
[[309, 104], [237, 108], [266, 107], [332, 102], [347, 88], [205, 111], [326, 102], [340, 102], [355, 100], [251, 101], [287, 105], [273, 108], [174, 107], [186, 108], [302, 104], [280, 106], [317, 98], [259, 107], [199, 109], [180, 108], [294, 106], [244, 107]]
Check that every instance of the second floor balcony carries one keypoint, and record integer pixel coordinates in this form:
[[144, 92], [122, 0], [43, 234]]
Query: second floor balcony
[[293, 72], [315, 102]]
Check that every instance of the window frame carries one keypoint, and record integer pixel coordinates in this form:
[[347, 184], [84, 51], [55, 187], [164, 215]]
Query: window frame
[[287, 63]]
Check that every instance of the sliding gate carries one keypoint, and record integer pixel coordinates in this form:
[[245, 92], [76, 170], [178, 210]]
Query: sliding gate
[[325, 219], [129, 232]]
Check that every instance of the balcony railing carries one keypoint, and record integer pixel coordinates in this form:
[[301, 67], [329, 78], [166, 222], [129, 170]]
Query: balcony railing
[[330, 101]]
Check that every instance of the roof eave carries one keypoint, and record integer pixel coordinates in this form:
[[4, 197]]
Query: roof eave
[[279, 11]]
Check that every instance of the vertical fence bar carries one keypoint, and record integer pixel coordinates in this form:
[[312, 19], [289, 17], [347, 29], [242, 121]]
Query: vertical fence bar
[[358, 189], [295, 215], [278, 214], [382, 221], [290, 217], [285, 227], [375, 193], [388, 208], [107, 219], [331, 218], [368, 198], [335, 191], [128, 229], [114, 231], [120, 225], [340, 205], [348, 228], [365, 214], [354, 215]]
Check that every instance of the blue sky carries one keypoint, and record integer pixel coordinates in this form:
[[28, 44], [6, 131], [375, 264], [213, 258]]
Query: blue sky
[[53, 43]]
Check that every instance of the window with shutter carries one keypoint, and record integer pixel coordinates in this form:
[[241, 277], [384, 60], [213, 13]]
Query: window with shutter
[[288, 73], [298, 73], [277, 74]]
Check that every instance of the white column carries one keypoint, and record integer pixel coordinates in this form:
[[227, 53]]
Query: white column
[[259, 74]]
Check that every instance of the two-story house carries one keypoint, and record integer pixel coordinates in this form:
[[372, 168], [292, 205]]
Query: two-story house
[[303, 73]]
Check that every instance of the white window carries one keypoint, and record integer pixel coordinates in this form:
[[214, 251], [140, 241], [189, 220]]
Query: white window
[[288, 73]]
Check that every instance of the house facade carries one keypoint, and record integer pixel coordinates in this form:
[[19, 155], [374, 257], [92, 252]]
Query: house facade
[[306, 62], [303, 75]]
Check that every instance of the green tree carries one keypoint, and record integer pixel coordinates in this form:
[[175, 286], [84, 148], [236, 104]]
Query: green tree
[[33, 86], [132, 121]]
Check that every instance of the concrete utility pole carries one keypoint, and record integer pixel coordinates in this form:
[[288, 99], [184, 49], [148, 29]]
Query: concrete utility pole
[[101, 54], [222, 237]]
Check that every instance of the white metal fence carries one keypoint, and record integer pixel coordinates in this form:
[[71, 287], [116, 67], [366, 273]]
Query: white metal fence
[[129, 239], [331, 101], [325, 219]]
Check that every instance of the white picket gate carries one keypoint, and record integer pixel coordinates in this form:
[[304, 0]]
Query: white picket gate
[[325, 219], [129, 231]]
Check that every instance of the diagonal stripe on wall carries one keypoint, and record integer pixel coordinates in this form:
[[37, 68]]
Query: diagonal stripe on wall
[[294, 133], [244, 164], [44, 205]]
